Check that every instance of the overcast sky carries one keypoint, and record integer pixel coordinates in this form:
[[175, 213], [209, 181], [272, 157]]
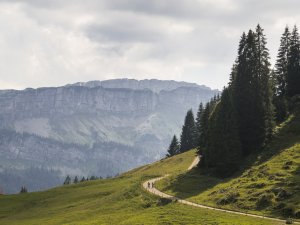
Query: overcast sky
[[55, 42]]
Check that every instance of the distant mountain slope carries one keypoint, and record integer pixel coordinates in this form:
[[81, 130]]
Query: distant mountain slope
[[153, 84], [127, 114]]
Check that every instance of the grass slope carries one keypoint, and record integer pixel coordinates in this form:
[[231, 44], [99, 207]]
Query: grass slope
[[114, 201], [269, 183]]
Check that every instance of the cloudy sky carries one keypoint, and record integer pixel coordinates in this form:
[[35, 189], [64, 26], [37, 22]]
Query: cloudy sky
[[55, 42]]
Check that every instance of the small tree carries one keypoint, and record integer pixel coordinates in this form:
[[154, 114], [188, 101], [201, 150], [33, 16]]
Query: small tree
[[174, 147], [23, 190], [67, 180], [75, 180], [83, 179], [188, 138]]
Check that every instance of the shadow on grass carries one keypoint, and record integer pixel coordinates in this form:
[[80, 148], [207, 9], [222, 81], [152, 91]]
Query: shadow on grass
[[198, 180]]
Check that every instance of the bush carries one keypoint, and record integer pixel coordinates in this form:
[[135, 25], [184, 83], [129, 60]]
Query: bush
[[231, 197], [163, 201], [264, 200], [289, 221], [288, 211], [297, 214]]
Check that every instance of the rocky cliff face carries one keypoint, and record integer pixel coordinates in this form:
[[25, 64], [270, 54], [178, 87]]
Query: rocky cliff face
[[68, 128]]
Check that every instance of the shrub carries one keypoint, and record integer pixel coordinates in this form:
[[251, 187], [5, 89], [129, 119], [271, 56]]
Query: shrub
[[288, 211], [264, 200], [289, 221], [231, 197], [163, 201], [297, 214]]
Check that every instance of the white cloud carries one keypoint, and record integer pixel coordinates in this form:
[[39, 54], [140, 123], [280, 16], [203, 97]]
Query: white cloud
[[51, 43]]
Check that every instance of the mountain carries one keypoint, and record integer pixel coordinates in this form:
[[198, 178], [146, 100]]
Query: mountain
[[83, 128], [267, 185]]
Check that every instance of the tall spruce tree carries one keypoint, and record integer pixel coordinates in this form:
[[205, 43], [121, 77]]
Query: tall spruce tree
[[188, 138], [198, 122], [223, 150], [264, 93], [174, 147], [204, 122], [252, 93], [293, 74], [281, 66], [67, 180], [280, 76]]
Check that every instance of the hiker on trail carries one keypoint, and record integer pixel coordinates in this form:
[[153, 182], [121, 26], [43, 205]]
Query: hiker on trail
[[148, 185]]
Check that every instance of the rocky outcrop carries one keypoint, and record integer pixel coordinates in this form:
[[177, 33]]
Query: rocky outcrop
[[60, 126]]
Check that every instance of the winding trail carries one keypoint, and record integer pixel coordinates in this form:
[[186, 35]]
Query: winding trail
[[157, 192]]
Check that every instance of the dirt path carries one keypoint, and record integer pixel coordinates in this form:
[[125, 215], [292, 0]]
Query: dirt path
[[157, 192]]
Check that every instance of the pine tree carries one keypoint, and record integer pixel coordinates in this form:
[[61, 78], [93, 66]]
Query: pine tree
[[198, 122], [293, 74], [174, 147], [252, 93], [202, 141], [75, 180], [23, 190], [223, 151], [67, 180], [263, 91], [188, 138], [82, 179], [281, 66], [280, 77]]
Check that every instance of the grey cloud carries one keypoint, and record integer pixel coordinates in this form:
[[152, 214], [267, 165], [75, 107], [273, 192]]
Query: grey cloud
[[170, 39]]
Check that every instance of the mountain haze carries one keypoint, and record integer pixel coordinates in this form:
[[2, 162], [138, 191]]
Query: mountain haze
[[95, 128]]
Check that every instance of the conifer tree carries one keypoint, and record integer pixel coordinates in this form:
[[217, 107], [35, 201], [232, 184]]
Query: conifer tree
[[252, 93], [198, 122], [263, 92], [82, 179], [293, 75], [75, 180], [281, 66], [188, 138], [174, 147], [23, 190], [280, 76], [67, 180], [223, 150], [202, 141]]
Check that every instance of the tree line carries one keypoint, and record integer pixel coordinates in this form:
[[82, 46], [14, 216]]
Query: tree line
[[241, 121]]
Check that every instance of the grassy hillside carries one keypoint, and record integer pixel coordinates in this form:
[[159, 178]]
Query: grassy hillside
[[268, 184], [119, 200]]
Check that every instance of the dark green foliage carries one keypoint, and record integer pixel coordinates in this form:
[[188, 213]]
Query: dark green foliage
[[264, 200], [188, 138], [203, 127], [94, 177], [198, 121], [281, 66], [75, 180], [293, 67], [242, 120], [67, 180], [163, 201], [174, 147], [223, 150], [83, 179], [252, 93], [23, 190], [229, 198]]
